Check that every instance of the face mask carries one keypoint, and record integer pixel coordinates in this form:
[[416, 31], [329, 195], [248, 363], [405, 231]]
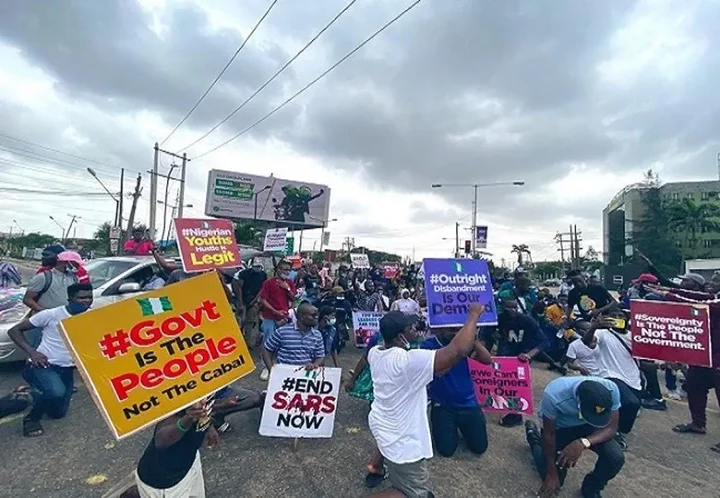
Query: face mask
[[406, 343], [77, 308], [71, 270], [332, 321]]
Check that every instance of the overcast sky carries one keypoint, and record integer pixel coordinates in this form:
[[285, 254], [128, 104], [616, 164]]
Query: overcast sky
[[575, 98]]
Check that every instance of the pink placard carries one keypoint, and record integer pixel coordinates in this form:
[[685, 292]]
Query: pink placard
[[503, 386]]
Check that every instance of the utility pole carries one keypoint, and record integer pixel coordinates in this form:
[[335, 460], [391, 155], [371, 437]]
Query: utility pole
[[181, 203], [153, 195], [133, 207], [474, 219], [457, 240], [120, 201], [73, 218]]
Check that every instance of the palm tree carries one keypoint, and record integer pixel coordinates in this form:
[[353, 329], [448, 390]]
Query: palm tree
[[521, 249], [691, 219]]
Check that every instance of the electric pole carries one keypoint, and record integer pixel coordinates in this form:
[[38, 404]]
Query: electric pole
[[154, 184], [120, 200], [181, 203], [133, 207], [153, 195], [457, 240]]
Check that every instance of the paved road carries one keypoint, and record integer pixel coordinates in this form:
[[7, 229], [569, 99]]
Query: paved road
[[80, 449]]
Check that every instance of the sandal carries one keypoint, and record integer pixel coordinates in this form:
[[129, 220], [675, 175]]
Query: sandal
[[32, 428], [224, 428], [688, 429], [511, 421], [373, 480], [715, 448]]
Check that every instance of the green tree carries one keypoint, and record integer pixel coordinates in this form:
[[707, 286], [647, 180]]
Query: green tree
[[690, 219], [651, 233], [249, 234], [521, 250]]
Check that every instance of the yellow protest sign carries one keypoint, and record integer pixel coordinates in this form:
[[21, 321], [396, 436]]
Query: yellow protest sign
[[156, 353]]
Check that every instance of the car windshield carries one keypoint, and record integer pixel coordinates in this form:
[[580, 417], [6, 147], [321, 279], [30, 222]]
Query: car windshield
[[102, 271]]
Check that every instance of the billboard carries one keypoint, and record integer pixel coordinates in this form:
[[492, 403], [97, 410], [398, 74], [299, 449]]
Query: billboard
[[250, 197]]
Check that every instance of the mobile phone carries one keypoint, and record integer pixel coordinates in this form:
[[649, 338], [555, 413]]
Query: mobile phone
[[619, 323]]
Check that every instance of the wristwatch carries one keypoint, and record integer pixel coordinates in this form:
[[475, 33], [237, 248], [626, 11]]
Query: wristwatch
[[585, 442]]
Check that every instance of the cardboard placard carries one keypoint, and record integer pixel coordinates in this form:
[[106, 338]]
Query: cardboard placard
[[207, 244]]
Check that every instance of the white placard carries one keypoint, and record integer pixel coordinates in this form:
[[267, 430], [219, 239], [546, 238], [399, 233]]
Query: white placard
[[275, 240], [301, 403], [359, 260]]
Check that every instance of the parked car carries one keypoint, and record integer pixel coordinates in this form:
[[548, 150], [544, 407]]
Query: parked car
[[113, 279]]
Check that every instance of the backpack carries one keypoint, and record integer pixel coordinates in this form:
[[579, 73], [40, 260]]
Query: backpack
[[48, 282]]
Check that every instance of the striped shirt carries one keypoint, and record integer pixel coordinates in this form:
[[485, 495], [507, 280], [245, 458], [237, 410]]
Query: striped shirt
[[293, 347]]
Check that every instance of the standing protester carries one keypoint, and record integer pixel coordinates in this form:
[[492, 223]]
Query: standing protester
[[299, 343], [246, 285], [327, 324], [578, 414], [615, 362], [312, 282], [276, 299], [406, 304], [591, 299], [516, 335], [369, 299], [454, 406], [699, 380], [398, 416], [170, 467], [139, 245], [50, 367]]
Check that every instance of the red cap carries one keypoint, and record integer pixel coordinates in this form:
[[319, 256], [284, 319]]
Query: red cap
[[646, 278]]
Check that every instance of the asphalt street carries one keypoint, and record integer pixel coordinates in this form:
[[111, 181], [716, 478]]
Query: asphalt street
[[78, 456]]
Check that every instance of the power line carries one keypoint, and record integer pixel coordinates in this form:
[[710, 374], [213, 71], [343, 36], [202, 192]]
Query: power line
[[277, 73], [321, 76], [52, 150], [50, 192], [202, 97]]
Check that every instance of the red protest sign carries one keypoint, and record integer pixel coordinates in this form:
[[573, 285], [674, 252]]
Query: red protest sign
[[675, 332], [390, 270], [503, 386], [206, 244]]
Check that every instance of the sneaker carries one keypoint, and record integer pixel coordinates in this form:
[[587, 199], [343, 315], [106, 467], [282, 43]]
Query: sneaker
[[622, 440], [587, 492], [675, 395], [264, 375], [654, 404]]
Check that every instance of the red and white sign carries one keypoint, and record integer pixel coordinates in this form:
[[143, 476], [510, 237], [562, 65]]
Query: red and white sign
[[503, 386], [674, 332], [207, 244], [390, 270], [301, 403]]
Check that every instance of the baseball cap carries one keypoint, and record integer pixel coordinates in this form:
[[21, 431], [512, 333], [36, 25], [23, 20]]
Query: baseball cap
[[71, 257], [695, 277], [595, 403], [646, 278], [394, 323], [53, 249]]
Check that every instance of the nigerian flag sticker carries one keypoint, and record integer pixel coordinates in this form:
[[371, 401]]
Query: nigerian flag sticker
[[155, 305]]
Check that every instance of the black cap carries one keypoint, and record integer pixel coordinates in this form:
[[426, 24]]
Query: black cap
[[394, 323], [595, 403]]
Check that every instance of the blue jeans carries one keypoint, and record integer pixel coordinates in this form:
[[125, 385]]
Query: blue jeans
[[670, 379], [55, 385], [268, 328]]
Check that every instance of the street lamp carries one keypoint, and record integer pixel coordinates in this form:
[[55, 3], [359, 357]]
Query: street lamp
[[118, 222], [61, 228], [475, 188], [172, 217], [322, 235], [22, 230]]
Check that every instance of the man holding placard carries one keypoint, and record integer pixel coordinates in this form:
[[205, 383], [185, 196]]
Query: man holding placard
[[398, 417]]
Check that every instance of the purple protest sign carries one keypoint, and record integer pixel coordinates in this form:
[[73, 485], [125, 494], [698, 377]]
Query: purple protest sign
[[504, 386], [452, 285]]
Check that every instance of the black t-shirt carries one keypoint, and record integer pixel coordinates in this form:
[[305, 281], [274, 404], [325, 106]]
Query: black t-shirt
[[312, 285], [164, 468], [592, 293], [252, 283]]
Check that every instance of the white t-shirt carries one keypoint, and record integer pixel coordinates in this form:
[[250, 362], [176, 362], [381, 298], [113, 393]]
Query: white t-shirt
[[586, 357], [51, 344], [614, 361], [398, 418]]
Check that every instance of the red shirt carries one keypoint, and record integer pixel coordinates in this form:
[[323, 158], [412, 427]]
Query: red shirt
[[277, 297], [82, 274], [142, 248]]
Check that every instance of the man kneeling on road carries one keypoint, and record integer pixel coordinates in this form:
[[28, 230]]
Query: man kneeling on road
[[454, 404], [299, 343], [50, 367], [578, 414], [398, 416]]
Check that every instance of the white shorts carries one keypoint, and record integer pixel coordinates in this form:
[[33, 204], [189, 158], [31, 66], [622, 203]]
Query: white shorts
[[191, 486]]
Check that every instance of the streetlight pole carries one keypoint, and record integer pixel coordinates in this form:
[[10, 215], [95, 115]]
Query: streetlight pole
[[322, 235], [118, 221], [62, 236], [255, 194], [22, 230], [475, 200]]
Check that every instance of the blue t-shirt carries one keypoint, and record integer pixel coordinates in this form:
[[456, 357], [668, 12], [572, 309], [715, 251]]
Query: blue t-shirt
[[560, 404], [520, 334], [455, 388]]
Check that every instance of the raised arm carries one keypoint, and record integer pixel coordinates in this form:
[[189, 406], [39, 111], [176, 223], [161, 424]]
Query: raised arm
[[461, 344]]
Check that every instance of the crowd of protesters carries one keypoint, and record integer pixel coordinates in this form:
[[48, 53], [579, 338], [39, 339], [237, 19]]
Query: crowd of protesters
[[302, 315]]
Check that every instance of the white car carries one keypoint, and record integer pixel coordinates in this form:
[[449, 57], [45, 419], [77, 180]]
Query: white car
[[113, 279]]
